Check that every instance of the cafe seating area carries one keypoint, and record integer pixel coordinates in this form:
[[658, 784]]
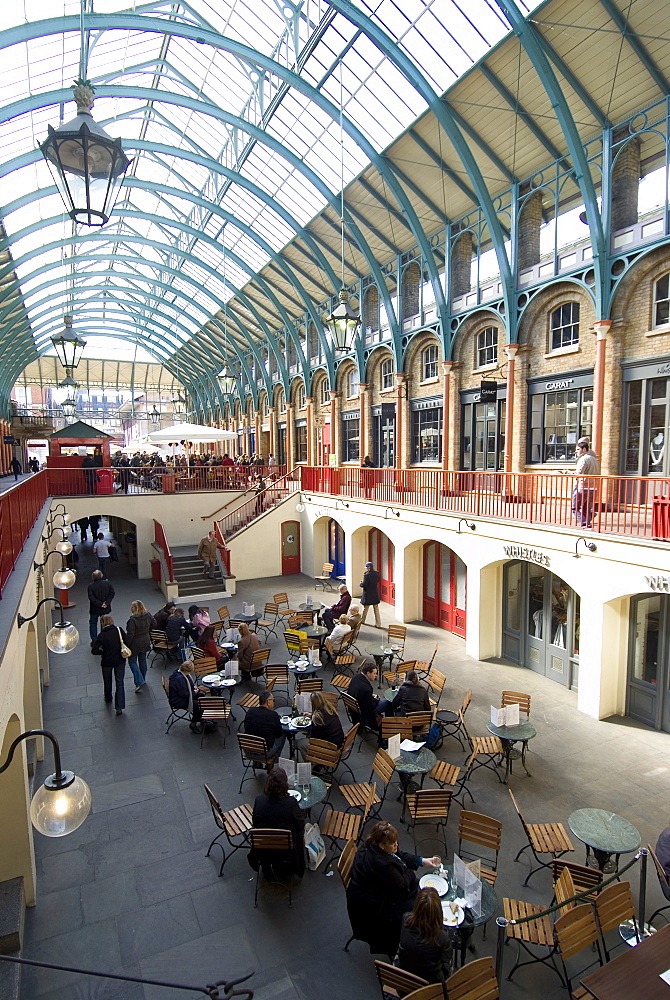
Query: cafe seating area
[[202, 908]]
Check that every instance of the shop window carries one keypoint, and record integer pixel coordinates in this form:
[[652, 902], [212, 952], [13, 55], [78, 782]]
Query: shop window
[[352, 384], [301, 444], [487, 347], [386, 374], [557, 421], [427, 435], [429, 362], [662, 301], [564, 326], [351, 451]]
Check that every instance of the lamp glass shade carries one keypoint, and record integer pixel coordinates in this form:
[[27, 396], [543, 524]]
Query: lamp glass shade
[[69, 348], [64, 579], [56, 811], [343, 324], [154, 417], [66, 518], [69, 407], [64, 547], [300, 507], [62, 638]]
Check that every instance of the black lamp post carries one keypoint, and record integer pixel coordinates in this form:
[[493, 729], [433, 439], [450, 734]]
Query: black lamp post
[[154, 417], [87, 165]]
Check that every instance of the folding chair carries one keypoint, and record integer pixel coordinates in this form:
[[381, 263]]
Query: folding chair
[[583, 878], [301, 618], [537, 933], [475, 981], [223, 613], [268, 624], [450, 774], [280, 673], [307, 684], [436, 681], [398, 725], [383, 767], [176, 714], [214, 710], [296, 642], [204, 665], [251, 700], [453, 723], [326, 578], [328, 757], [484, 831], [277, 845], [353, 711], [341, 682], [435, 991], [336, 825], [345, 863], [613, 906], [392, 677], [395, 982], [421, 723], [161, 647], [516, 698], [234, 825], [575, 930], [396, 635], [424, 669], [255, 756], [283, 607], [432, 805], [664, 881], [543, 838], [485, 751], [258, 660]]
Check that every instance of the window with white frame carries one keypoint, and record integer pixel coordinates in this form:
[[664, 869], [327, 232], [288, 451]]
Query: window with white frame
[[487, 347], [386, 374], [662, 301], [352, 383], [324, 393], [429, 363], [564, 326], [300, 397]]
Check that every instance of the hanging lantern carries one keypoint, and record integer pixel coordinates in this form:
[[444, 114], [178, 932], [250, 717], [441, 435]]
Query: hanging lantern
[[227, 381], [69, 408], [87, 165], [343, 324], [69, 348], [154, 417]]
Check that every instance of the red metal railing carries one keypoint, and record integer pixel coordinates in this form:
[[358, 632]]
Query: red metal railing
[[19, 508], [162, 542], [251, 508], [224, 553], [620, 505], [76, 481]]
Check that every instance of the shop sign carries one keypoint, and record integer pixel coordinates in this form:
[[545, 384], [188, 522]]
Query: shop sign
[[661, 583], [530, 555], [563, 383], [488, 392]]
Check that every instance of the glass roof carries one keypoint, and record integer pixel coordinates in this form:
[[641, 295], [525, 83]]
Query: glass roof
[[187, 232]]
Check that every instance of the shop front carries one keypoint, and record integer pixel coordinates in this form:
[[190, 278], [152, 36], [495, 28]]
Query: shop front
[[648, 694]]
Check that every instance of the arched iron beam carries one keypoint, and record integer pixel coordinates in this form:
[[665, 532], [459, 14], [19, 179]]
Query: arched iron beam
[[637, 46], [448, 120], [533, 43]]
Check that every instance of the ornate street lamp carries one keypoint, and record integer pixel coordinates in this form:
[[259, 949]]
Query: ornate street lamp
[[61, 637], [227, 380], [343, 322], [69, 348], [87, 165], [69, 408], [154, 417]]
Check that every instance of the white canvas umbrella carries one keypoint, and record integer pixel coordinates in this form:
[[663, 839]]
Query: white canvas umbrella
[[191, 433]]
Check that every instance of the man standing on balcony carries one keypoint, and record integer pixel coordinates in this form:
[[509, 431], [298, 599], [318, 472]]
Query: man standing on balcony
[[207, 550], [584, 491]]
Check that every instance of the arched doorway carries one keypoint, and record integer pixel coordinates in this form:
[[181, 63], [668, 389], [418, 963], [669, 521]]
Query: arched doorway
[[381, 553], [336, 553], [541, 621], [444, 588]]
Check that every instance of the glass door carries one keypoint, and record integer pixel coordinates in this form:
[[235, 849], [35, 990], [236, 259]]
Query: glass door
[[646, 674], [541, 622], [444, 586]]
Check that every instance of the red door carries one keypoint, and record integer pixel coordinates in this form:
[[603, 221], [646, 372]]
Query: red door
[[444, 580], [381, 553], [290, 547]]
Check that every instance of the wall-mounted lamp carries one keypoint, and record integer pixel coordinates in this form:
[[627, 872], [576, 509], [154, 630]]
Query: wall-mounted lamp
[[63, 578], [63, 802], [396, 513], [470, 524], [591, 546], [60, 513], [61, 637], [300, 507], [63, 545], [343, 502]]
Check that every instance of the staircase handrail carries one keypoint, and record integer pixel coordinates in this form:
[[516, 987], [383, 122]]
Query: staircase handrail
[[208, 517], [283, 480], [161, 541]]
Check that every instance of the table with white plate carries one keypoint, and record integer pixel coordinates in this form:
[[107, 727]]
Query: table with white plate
[[444, 885], [309, 796], [303, 668], [291, 727], [219, 685]]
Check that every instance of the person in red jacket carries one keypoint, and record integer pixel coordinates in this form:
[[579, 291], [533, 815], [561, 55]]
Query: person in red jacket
[[332, 614]]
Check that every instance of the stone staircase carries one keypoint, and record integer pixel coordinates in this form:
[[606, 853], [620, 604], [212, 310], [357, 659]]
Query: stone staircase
[[191, 579]]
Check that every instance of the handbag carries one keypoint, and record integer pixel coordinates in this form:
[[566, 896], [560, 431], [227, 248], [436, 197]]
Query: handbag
[[125, 652], [314, 845]]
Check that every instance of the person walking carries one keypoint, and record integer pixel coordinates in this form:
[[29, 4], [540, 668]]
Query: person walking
[[584, 492], [101, 550], [100, 596], [82, 526], [138, 630], [16, 467], [207, 550], [108, 647], [370, 597]]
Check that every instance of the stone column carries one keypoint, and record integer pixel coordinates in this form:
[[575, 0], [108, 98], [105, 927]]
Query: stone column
[[364, 421], [309, 409], [625, 186], [335, 435], [602, 327], [446, 423], [401, 422], [272, 417], [454, 444], [530, 225], [257, 431], [509, 411]]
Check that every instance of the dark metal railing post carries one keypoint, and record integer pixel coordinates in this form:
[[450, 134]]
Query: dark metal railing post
[[643, 854], [501, 924]]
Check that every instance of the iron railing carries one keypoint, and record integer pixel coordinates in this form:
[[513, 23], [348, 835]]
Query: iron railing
[[19, 508]]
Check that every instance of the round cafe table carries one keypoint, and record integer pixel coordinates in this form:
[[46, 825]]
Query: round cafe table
[[221, 686], [604, 833], [409, 764], [379, 654], [489, 902], [508, 736], [247, 619], [316, 632], [291, 733], [314, 794]]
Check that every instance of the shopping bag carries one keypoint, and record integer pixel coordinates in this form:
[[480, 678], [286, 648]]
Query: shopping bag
[[314, 845], [249, 610]]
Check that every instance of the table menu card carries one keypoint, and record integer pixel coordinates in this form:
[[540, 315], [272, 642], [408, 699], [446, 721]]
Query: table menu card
[[289, 766], [232, 635], [314, 657], [303, 703], [230, 669], [248, 609], [394, 746], [469, 885], [411, 745], [508, 716], [304, 774], [309, 600]]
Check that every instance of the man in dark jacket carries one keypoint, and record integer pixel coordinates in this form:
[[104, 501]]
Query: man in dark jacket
[[163, 614], [183, 694], [372, 708], [370, 596], [264, 721], [100, 596], [341, 607]]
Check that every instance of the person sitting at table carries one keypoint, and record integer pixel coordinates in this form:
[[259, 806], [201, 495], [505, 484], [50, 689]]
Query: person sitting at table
[[263, 721], [247, 645], [207, 644], [382, 887], [412, 696], [183, 694], [334, 612], [326, 723], [176, 627], [199, 618], [354, 617], [372, 708], [275, 809], [425, 947], [335, 640], [663, 854], [163, 614]]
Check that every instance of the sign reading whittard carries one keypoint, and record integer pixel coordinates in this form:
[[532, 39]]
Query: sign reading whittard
[[523, 552], [659, 583]]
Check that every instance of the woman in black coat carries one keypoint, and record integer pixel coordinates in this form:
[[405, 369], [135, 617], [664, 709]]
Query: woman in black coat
[[370, 597], [425, 946], [108, 647], [412, 696], [382, 888], [326, 723], [275, 809]]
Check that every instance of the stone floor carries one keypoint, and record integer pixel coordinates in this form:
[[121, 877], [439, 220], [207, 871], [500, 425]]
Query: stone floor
[[132, 892]]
